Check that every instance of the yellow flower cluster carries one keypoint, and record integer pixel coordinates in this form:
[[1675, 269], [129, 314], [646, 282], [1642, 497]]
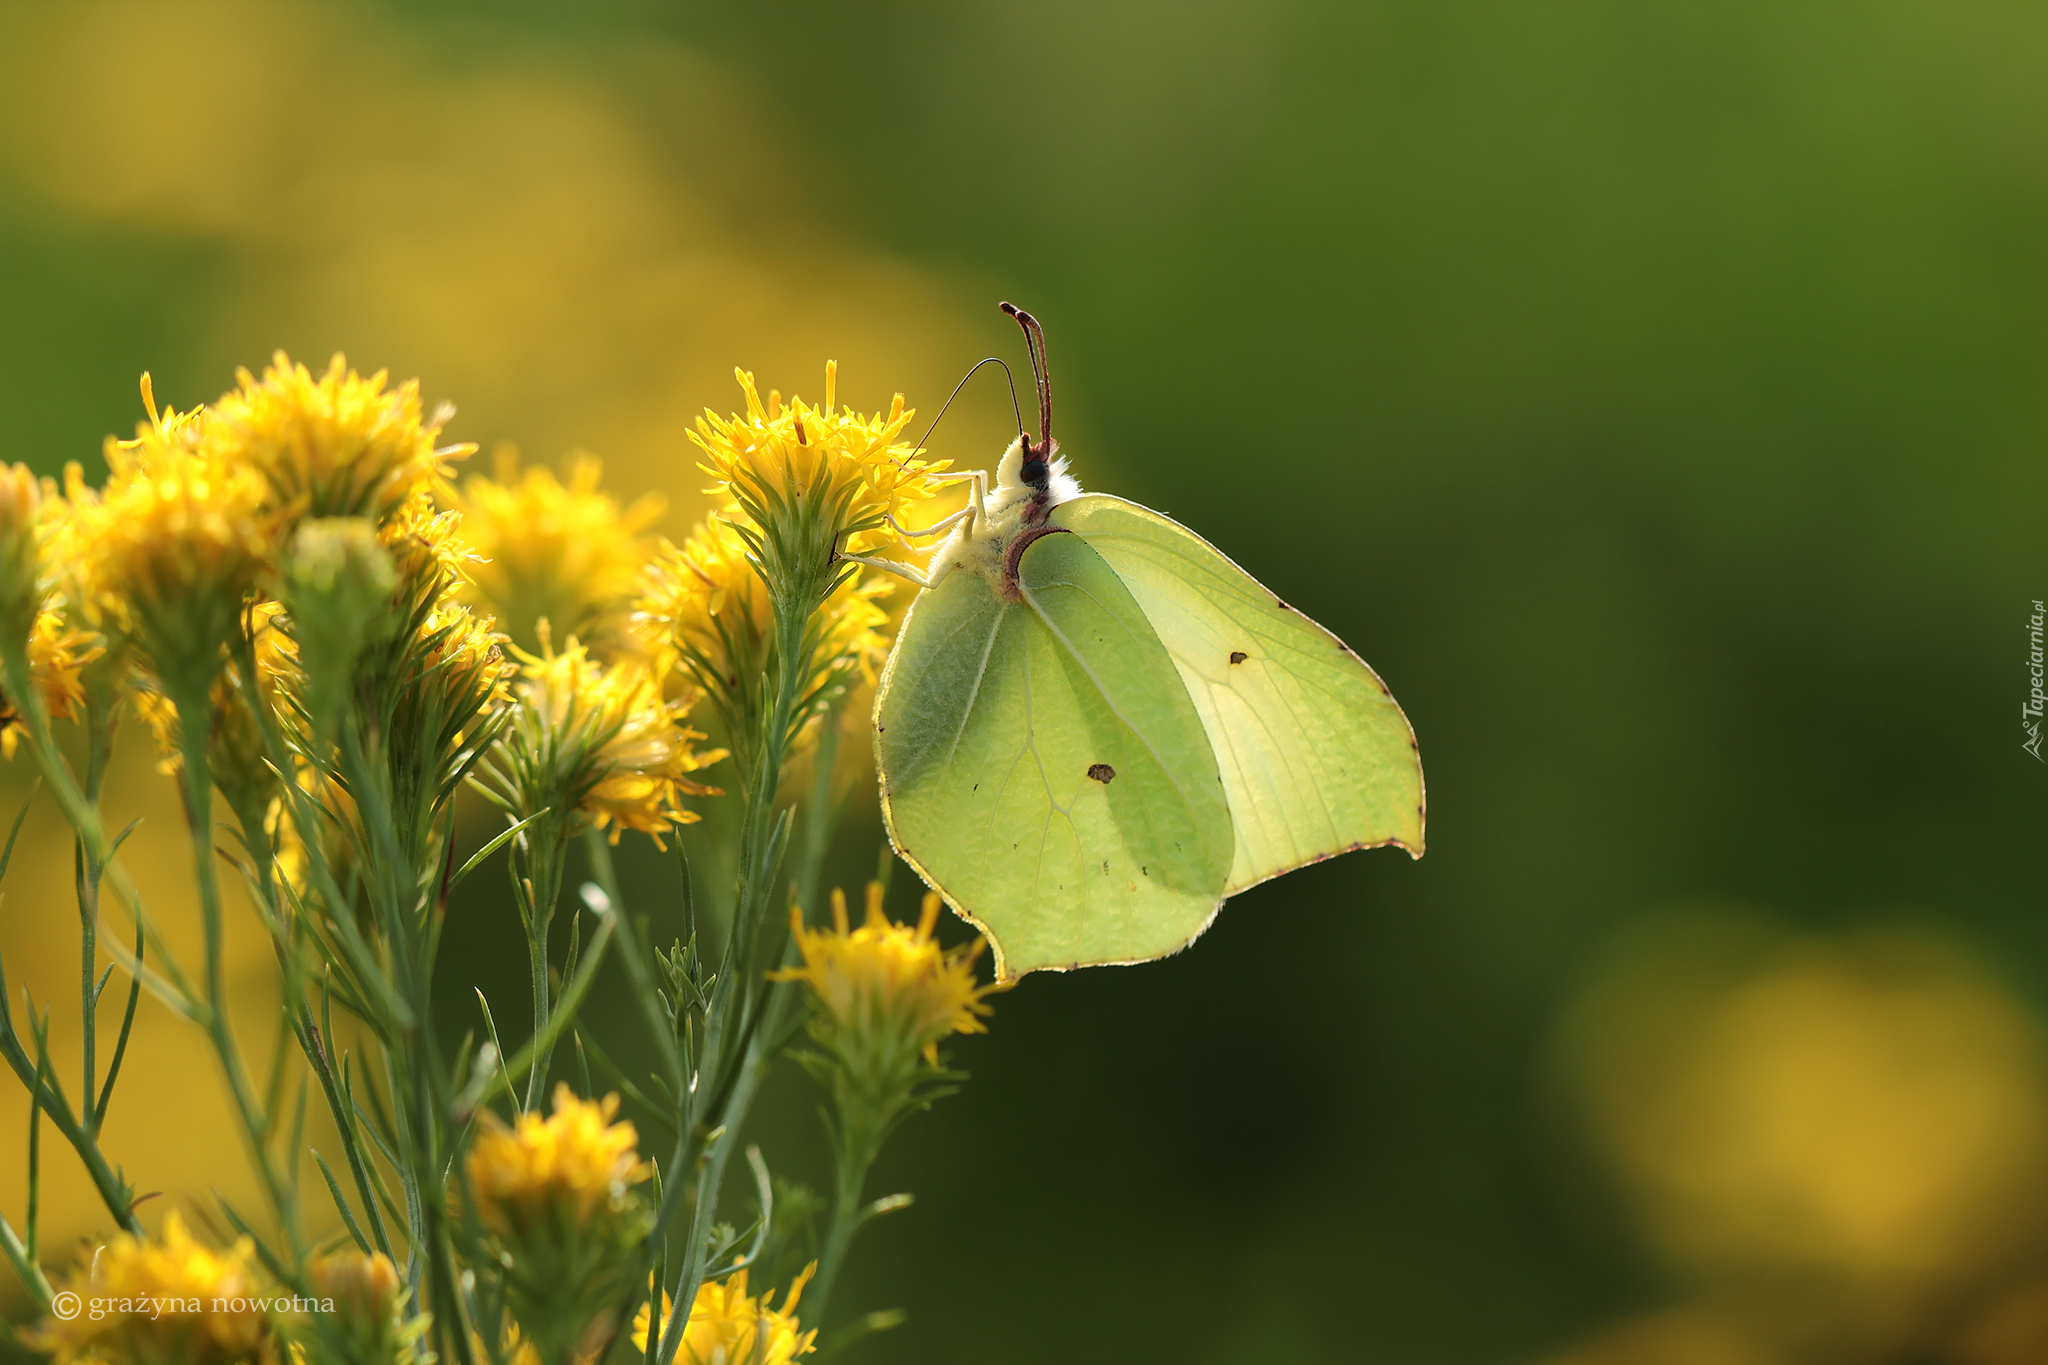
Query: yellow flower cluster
[[574, 1160], [604, 737], [886, 976], [174, 1302], [727, 1325], [566, 554], [851, 466]]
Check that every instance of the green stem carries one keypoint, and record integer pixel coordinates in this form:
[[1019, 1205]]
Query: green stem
[[86, 866], [113, 1191], [858, 1148], [195, 717], [732, 1117], [819, 813], [539, 891], [25, 1268]]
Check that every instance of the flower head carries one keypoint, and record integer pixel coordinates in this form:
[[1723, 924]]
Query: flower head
[[601, 738], [576, 1160], [171, 548], [849, 468], [727, 1325], [565, 554], [557, 1194], [888, 980], [337, 446], [194, 1306]]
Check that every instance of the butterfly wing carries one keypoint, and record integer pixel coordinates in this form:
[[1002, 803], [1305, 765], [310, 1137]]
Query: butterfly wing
[[1316, 757], [1044, 767]]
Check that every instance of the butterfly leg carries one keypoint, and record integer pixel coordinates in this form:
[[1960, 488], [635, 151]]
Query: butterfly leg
[[977, 492], [900, 570], [948, 524]]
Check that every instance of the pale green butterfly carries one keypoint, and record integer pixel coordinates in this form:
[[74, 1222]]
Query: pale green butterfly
[[1094, 728]]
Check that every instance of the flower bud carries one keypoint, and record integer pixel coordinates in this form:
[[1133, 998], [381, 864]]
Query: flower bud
[[360, 1315], [336, 581]]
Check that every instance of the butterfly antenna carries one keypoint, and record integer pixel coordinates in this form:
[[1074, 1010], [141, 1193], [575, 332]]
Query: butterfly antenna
[[992, 360], [1034, 341]]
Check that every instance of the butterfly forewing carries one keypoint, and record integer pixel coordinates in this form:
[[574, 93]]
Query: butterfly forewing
[[1315, 756], [1044, 766]]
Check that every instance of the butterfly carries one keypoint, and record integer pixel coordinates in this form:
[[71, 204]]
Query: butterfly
[[1094, 728]]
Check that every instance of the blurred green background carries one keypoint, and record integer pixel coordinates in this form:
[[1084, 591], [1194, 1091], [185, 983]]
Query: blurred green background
[[1651, 393]]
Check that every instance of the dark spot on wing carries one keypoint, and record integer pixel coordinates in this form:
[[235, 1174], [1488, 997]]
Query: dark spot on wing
[[1101, 772], [1238, 656]]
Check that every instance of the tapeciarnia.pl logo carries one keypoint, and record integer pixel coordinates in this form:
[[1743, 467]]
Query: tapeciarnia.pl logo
[[2030, 714]]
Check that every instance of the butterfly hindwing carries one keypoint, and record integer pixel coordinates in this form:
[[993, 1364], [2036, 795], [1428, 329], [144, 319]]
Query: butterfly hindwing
[[1045, 768], [1315, 755]]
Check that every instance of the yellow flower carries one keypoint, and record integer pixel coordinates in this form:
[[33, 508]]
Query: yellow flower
[[568, 555], [602, 738], [56, 657], [703, 608], [556, 1193], [170, 549], [575, 1160], [173, 1302], [337, 446], [851, 467], [727, 1327], [888, 979]]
